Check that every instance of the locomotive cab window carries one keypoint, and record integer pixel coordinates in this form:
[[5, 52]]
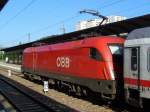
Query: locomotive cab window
[[116, 49], [94, 54], [134, 59]]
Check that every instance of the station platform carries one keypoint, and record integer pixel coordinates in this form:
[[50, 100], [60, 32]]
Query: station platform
[[10, 66]]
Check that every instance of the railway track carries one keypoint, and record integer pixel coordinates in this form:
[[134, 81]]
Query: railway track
[[27, 100]]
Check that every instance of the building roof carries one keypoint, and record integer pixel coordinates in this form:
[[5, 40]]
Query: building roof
[[115, 28], [2, 4]]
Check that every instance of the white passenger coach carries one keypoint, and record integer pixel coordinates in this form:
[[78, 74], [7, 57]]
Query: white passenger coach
[[137, 67]]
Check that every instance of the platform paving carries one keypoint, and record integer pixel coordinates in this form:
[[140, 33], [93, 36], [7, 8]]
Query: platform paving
[[10, 66]]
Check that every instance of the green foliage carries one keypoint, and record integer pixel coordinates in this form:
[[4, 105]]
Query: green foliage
[[1, 55], [13, 57]]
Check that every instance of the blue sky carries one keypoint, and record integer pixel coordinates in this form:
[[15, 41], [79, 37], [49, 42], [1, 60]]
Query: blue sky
[[46, 17]]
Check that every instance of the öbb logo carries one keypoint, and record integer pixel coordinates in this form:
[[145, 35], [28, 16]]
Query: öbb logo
[[63, 62]]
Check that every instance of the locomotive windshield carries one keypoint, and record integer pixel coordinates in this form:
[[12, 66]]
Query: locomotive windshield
[[116, 49]]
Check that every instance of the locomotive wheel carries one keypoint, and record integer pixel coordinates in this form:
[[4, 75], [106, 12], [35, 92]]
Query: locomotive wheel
[[30, 77], [84, 91], [26, 76]]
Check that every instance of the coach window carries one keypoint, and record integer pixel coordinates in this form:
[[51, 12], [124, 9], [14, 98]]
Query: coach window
[[134, 59], [148, 59], [94, 54]]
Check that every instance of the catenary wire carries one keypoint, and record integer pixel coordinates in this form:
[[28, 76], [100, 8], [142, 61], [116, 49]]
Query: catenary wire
[[17, 14]]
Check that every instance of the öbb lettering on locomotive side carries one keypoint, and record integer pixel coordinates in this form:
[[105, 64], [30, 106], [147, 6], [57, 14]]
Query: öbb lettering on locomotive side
[[112, 67], [63, 62]]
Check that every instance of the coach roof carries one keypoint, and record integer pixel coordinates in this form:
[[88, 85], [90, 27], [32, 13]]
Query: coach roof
[[139, 33]]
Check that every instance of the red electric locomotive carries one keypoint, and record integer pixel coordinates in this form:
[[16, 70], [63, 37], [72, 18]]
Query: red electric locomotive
[[94, 63]]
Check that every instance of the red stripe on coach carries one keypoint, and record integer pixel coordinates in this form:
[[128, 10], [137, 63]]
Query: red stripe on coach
[[145, 83]]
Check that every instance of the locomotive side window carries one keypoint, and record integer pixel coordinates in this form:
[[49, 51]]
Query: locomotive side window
[[134, 59], [94, 54]]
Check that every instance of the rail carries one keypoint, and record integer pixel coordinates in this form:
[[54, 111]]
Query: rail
[[27, 100]]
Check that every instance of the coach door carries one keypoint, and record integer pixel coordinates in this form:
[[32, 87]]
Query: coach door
[[135, 67], [132, 75]]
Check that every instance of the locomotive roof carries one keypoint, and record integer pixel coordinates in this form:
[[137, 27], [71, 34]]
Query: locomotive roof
[[139, 33]]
